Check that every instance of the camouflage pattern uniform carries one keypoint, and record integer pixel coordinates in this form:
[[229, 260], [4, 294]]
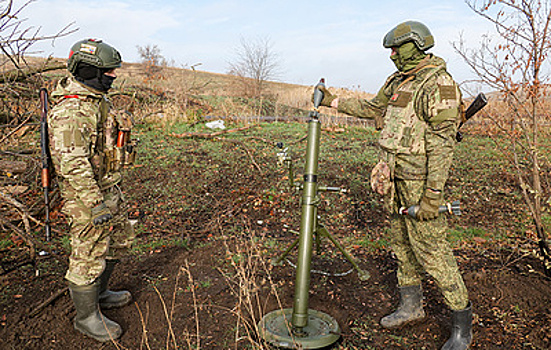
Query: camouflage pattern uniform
[[418, 112], [83, 136]]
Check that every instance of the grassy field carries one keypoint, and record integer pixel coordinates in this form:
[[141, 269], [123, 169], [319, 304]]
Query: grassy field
[[212, 212]]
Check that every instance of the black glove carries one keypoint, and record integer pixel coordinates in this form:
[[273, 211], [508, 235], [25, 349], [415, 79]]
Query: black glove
[[327, 97], [101, 214], [428, 207]]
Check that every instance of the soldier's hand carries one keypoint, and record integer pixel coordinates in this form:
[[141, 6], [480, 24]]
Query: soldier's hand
[[101, 214], [327, 97], [428, 207]]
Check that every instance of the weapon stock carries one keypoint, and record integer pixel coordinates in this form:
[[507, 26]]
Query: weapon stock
[[45, 158], [479, 102]]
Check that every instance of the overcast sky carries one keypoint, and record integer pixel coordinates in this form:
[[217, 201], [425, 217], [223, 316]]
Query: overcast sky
[[339, 40]]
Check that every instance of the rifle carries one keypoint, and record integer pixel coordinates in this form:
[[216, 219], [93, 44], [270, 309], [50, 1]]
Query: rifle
[[45, 158], [479, 102]]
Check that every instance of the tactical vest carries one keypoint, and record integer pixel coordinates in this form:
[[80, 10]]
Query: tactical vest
[[108, 155], [113, 145], [404, 131]]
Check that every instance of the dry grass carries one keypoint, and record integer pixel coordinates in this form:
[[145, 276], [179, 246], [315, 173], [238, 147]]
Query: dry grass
[[193, 93]]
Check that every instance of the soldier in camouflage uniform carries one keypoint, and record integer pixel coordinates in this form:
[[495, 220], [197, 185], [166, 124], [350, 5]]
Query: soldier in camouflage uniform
[[418, 109], [83, 145]]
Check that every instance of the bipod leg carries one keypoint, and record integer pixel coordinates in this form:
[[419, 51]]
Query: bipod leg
[[285, 253], [322, 231], [317, 236]]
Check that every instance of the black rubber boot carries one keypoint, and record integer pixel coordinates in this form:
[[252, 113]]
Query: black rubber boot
[[409, 310], [462, 330], [89, 320], [109, 299]]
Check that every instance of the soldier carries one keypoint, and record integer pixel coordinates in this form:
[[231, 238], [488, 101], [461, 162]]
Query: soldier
[[418, 109], [83, 144]]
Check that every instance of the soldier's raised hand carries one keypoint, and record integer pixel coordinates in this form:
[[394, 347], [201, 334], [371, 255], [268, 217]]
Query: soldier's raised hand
[[327, 96]]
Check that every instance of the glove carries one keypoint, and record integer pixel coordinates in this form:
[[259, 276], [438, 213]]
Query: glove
[[327, 97], [428, 207], [101, 214]]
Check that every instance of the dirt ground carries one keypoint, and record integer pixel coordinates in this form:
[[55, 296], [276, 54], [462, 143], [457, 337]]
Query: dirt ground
[[210, 292]]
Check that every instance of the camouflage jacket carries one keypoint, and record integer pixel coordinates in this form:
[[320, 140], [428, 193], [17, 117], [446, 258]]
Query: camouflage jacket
[[82, 134], [420, 114]]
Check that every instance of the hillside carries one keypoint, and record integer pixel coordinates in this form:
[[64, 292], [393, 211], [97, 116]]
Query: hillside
[[213, 213]]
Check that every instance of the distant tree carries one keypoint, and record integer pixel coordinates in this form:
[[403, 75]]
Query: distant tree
[[255, 63], [513, 65], [152, 59]]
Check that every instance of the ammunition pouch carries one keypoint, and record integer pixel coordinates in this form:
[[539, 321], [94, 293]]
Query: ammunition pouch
[[130, 152], [113, 159], [125, 145], [98, 165]]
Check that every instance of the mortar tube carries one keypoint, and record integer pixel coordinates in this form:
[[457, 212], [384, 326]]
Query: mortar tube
[[309, 211]]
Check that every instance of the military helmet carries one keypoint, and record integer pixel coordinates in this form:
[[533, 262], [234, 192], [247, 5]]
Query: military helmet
[[409, 31], [95, 53]]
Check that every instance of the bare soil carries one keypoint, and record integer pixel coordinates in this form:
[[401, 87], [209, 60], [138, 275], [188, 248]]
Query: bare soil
[[199, 286]]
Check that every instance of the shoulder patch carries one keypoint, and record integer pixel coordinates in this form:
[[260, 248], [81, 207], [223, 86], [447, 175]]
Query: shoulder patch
[[447, 92], [400, 99]]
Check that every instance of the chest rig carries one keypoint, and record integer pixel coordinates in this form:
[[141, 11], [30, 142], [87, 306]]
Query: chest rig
[[404, 130], [114, 139], [108, 142]]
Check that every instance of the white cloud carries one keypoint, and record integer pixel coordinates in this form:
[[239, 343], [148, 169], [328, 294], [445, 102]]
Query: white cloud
[[117, 23], [339, 40]]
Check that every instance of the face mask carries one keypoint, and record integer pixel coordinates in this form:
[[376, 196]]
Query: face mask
[[107, 81], [407, 56], [101, 83]]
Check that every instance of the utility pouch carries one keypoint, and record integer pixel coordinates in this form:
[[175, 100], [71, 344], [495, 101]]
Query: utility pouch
[[125, 144], [130, 152], [113, 159], [380, 178]]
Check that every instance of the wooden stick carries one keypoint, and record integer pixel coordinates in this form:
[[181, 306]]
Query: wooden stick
[[48, 301]]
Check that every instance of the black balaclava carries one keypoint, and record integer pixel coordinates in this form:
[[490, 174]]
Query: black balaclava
[[93, 77]]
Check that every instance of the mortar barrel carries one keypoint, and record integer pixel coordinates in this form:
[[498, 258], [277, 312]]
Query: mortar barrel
[[309, 212]]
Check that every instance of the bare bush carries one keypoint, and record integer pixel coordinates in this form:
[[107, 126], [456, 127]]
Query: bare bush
[[20, 81], [512, 64], [152, 59], [255, 64]]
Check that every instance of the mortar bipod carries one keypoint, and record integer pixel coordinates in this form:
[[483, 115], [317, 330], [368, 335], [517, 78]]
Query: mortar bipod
[[320, 231]]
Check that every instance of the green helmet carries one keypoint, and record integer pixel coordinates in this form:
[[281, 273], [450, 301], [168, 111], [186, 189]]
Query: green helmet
[[409, 31], [95, 53]]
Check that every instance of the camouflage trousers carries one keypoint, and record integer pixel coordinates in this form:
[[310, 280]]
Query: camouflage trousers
[[421, 246], [90, 245]]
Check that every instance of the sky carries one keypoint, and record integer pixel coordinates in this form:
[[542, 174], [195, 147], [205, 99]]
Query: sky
[[339, 40]]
